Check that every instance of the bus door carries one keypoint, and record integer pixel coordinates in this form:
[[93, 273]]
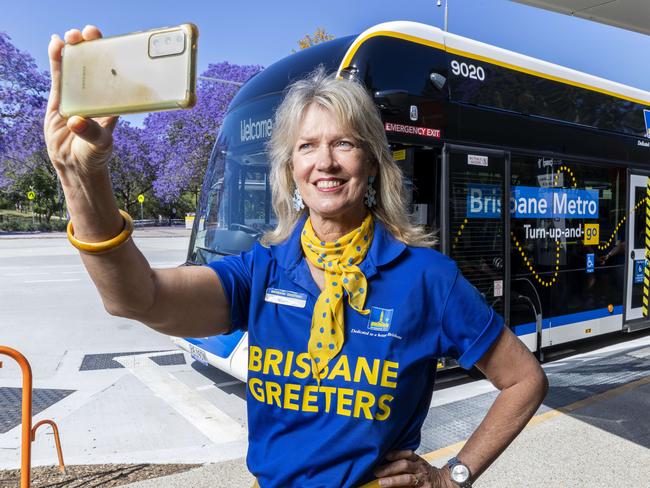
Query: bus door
[[636, 250], [475, 222]]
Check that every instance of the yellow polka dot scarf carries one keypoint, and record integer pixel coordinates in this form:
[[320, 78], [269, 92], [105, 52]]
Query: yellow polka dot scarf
[[340, 262]]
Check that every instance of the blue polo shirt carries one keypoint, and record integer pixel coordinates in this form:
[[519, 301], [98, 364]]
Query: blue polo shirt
[[377, 390]]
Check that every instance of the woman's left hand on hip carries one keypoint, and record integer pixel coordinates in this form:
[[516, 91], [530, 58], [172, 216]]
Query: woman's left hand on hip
[[405, 468]]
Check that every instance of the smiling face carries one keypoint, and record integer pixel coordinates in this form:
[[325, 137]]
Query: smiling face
[[331, 171]]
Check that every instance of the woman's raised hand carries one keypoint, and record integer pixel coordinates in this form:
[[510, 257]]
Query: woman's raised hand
[[76, 145]]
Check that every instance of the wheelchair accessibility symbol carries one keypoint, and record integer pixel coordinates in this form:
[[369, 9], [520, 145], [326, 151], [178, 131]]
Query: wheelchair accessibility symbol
[[639, 267]]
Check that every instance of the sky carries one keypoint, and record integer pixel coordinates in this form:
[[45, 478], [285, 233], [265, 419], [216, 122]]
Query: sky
[[264, 31]]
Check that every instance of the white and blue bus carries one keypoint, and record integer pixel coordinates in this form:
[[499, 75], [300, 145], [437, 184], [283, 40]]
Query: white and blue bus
[[534, 176]]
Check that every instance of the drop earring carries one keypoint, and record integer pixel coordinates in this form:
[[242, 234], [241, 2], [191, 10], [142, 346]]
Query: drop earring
[[369, 198], [298, 204]]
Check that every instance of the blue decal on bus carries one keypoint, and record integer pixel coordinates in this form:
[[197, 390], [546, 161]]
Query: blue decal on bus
[[528, 202], [646, 116], [639, 266], [590, 263], [219, 345], [483, 201], [534, 202], [568, 319]]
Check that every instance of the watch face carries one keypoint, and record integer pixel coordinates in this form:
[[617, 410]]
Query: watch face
[[459, 473]]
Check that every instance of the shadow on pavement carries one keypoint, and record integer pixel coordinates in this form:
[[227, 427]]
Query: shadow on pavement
[[221, 380]]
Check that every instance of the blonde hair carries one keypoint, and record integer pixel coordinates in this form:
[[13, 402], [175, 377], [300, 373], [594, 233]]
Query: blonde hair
[[356, 112]]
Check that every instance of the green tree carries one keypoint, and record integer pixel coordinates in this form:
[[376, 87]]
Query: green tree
[[41, 179], [319, 37], [24, 164]]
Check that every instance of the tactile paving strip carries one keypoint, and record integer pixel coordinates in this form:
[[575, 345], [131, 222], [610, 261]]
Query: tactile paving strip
[[169, 359], [11, 404], [455, 422], [94, 362]]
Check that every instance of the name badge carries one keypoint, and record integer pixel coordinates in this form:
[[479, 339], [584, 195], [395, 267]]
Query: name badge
[[285, 297]]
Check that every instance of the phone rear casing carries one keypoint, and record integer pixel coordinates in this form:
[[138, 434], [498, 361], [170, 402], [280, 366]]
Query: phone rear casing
[[117, 75]]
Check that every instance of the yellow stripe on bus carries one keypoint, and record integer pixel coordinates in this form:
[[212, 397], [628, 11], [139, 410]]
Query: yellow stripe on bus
[[426, 42]]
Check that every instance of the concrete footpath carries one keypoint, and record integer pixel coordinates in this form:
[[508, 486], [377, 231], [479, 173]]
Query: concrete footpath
[[592, 430], [123, 393]]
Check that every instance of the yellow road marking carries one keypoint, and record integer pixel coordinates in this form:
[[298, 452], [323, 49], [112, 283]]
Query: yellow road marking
[[444, 451], [543, 417]]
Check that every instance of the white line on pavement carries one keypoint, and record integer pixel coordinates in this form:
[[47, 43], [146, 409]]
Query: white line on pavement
[[52, 281], [41, 267], [207, 418], [25, 273], [218, 385]]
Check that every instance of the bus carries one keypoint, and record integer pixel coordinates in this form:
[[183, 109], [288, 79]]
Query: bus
[[533, 175]]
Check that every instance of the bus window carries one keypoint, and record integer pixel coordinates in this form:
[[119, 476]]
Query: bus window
[[568, 238], [250, 197], [421, 176], [476, 222], [235, 207]]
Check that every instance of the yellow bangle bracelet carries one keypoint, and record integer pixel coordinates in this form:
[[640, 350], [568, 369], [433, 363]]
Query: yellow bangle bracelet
[[103, 246]]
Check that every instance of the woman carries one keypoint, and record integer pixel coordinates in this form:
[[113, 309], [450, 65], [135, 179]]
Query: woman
[[347, 308]]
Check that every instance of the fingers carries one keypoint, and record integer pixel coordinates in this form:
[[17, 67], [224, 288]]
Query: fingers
[[396, 455], [401, 480], [108, 122], [91, 32], [54, 53], [396, 467], [54, 49], [73, 36], [90, 131], [404, 468]]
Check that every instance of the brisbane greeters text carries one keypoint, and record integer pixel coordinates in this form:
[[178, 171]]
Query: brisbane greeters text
[[351, 402]]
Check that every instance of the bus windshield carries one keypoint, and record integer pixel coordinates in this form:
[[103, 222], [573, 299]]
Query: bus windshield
[[235, 207]]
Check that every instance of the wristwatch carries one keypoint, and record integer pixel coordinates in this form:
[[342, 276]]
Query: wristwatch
[[459, 473]]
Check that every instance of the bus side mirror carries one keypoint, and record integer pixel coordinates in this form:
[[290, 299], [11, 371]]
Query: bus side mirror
[[438, 80], [391, 101]]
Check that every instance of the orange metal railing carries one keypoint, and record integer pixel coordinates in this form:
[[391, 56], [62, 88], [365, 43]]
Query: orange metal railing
[[29, 433]]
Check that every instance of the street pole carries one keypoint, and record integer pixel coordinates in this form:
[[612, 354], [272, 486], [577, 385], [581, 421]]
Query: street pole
[[439, 4], [220, 80], [141, 217], [446, 15]]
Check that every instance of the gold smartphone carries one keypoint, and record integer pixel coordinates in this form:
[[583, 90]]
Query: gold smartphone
[[138, 72]]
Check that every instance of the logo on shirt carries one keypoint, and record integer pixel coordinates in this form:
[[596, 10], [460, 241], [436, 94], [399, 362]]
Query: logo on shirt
[[380, 319]]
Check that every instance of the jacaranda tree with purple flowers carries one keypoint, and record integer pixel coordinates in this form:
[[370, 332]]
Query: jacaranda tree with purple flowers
[[131, 166], [166, 159], [24, 164], [181, 141]]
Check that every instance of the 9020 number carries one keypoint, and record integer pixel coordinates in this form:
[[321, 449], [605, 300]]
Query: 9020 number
[[467, 70]]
